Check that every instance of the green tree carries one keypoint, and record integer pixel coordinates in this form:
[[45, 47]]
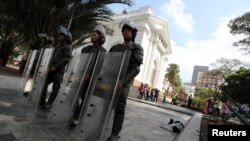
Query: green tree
[[241, 25], [200, 97], [177, 84], [225, 66], [203, 93], [237, 85], [173, 78], [43, 16], [9, 35]]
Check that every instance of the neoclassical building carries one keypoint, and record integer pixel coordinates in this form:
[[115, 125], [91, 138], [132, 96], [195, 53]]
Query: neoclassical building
[[153, 36]]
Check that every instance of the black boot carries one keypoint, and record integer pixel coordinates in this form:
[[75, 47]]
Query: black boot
[[26, 94], [48, 105], [171, 121]]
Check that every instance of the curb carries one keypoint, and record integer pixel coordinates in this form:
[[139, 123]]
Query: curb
[[191, 132], [186, 111]]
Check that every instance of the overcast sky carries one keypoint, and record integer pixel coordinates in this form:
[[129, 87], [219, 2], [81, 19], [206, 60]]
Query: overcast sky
[[198, 30]]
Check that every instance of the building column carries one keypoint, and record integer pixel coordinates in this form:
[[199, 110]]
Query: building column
[[160, 73], [150, 64], [147, 60]]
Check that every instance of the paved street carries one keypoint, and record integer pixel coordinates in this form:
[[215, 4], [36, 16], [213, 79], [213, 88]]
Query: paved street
[[10, 82], [143, 122]]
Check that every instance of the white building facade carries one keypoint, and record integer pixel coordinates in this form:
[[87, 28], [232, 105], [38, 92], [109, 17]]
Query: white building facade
[[153, 36]]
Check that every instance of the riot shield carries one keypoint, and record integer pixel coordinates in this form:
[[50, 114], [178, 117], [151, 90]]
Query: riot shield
[[102, 97], [26, 73], [77, 78], [40, 76]]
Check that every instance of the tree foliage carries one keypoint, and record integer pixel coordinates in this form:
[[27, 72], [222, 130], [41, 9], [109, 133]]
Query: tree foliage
[[22, 20], [172, 73], [237, 85], [224, 66], [200, 97], [241, 25], [204, 93], [43, 16], [173, 77], [9, 35]]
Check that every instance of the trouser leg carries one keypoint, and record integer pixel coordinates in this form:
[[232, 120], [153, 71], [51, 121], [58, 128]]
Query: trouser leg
[[120, 111], [80, 105], [44, 93], [55, 90]]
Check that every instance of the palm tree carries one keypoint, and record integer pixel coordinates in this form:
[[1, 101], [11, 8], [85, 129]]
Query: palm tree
[[172, 76]]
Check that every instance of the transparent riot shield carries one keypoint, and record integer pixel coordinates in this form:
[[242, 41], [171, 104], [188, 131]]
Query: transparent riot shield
[[77, 77], [40, 76], [102, 97], [28, 66]]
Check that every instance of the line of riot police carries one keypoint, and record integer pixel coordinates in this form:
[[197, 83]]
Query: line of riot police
[[91, 96]]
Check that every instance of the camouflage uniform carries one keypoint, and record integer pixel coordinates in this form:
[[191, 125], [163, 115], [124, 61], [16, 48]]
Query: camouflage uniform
[[60, 59], [90, 49], [135, 61]]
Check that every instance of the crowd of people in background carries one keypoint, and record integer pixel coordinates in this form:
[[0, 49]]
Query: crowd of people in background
[[214, 106], [147, 93]]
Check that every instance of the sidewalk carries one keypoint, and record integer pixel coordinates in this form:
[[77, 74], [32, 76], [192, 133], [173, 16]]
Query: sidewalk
[[10, 82], [167, 106], [18, 124], [191, 132]]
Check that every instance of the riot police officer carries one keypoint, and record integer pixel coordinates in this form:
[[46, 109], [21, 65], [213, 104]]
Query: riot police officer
[[46, 41], [56, 69], [97, 38], [129, 31]]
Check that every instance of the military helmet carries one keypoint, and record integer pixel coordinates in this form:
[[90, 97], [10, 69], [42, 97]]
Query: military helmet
[[65, 32], [102, 31], [128, 23], [131, 24]]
